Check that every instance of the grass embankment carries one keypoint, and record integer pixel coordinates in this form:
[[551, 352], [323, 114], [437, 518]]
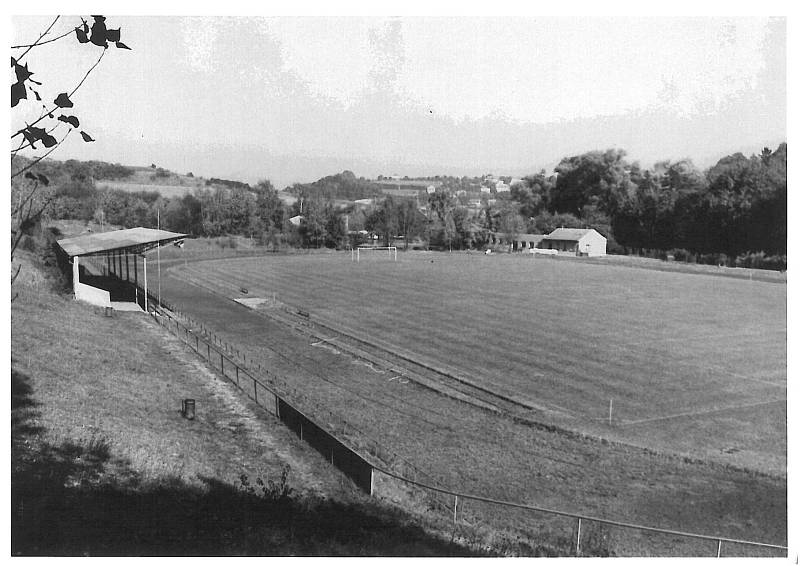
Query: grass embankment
[[104, 464]]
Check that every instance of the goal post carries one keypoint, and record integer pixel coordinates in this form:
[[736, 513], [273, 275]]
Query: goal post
[[392, 251]]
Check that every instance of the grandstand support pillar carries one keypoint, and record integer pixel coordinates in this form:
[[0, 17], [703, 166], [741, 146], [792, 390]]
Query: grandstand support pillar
[[127, 268], [119, 273], [136, 278], [144, 262], [108, 264], [76, 274]]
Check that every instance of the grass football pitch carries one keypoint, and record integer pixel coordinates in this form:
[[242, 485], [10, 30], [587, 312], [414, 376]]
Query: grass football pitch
[[691, 363]]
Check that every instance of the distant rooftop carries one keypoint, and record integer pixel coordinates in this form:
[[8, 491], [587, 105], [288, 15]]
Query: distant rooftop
[[132, 240], [572, 234]]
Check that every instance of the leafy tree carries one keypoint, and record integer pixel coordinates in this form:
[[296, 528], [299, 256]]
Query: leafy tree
[[54, 117], [545, 222], [410, 220], [384, 220], [268, 208], [335, 233], [533, 194], [594, 178], [312, 228], [184, 215]]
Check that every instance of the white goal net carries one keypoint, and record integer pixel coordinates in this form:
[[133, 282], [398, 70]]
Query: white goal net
[[374, 251]]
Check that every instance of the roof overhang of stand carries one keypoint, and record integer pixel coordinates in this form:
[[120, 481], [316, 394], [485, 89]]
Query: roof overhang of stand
[[132, 241]]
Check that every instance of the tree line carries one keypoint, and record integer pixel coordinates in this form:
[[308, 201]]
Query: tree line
[[735, 212]]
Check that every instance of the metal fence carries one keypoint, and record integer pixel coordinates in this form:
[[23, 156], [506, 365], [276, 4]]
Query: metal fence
[[380, 471]]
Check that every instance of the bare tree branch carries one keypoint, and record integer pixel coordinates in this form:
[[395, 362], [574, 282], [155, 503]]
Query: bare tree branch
[[38, 159], [40, 43], [35, 43]]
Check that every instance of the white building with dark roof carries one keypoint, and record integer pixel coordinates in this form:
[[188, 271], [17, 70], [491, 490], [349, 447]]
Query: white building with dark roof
[[580, 241]]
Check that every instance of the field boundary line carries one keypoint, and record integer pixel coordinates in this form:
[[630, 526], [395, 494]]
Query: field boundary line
[[747, 378], [698, 413]]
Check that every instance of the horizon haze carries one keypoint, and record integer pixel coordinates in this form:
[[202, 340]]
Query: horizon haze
[[292, 99]]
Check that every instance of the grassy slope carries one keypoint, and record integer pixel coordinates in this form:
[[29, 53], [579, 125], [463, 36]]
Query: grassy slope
[[694, 364], [479, 453], [143, 179], [102, 462]]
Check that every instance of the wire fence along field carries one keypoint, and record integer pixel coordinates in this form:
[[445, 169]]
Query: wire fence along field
[[380, 471]]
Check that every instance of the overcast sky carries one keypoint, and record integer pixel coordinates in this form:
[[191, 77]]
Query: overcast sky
[[293, 99]]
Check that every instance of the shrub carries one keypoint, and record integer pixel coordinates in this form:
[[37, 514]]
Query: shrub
[[759, 260], [271, 490], [680, 254]]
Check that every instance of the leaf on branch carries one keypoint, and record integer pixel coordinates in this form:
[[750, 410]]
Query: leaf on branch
[[33, 134], [86, 137], [121, 45], [99, 31], [18, 92], [23, 74], [36, 94], [49, 141], [112, 34], [63, 101], [83, 35], [43, 179], [71, 120], [29, 175]]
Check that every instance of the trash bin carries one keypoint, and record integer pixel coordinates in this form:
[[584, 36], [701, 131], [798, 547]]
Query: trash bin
[[187, 409]]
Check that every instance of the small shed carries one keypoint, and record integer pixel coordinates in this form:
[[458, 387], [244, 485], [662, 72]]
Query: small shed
[[580, 241]]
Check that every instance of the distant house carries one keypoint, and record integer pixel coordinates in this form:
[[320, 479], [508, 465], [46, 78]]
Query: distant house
[[501, 187], [431, 189], [486, 190], [581, 241], [296, 220], [363, 203]]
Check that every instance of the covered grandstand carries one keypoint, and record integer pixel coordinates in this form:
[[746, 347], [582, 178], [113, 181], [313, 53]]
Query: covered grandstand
[[105, 266]]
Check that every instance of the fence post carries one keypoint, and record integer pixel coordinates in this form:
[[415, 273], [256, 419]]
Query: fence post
[[237, 374], [578, 539], [222, 364], [719, 548], [455, 510], [196, 343]]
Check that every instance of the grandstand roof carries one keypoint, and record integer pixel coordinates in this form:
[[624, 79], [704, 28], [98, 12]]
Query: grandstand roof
[[132, 240], [569, 234]]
